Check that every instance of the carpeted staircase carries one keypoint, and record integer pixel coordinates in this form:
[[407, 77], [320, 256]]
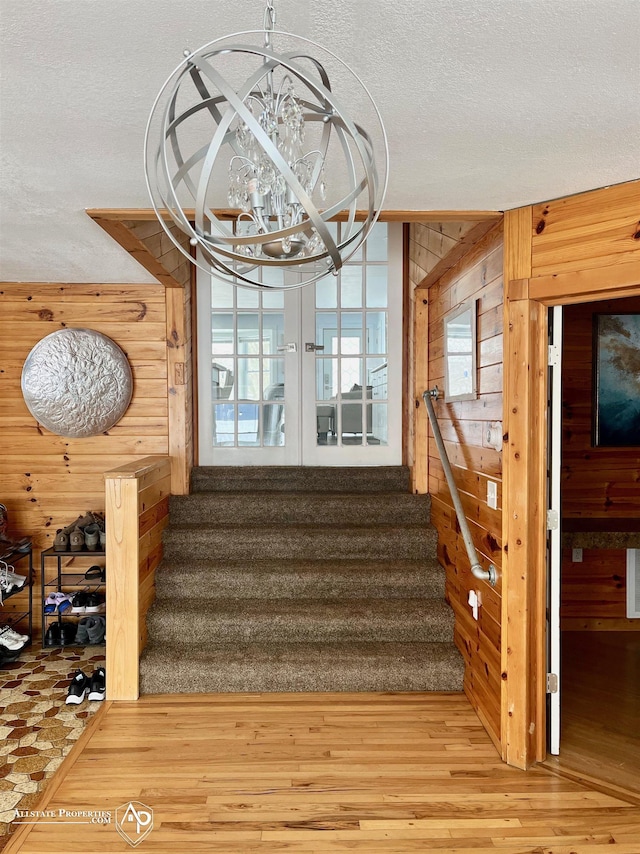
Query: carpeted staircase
[[300, 579]]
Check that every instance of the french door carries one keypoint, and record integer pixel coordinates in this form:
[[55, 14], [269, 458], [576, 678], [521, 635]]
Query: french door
[[307, 376]]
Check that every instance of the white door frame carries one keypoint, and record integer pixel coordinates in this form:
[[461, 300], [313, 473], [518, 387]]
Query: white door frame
[[555, 527]]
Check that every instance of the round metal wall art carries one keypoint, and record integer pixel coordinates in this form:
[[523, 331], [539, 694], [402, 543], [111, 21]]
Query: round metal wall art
[[77, 383]]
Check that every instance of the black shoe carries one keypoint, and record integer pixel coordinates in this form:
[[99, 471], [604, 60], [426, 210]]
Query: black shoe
[[8, 655], [52, 636], [78, 688], [68, 634], [98, 685]]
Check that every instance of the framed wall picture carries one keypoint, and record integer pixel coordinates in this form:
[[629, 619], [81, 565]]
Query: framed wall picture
[[616, 382], [460, 349]]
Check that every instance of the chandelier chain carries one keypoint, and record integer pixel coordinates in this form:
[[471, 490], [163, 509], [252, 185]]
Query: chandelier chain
[[269, 22]]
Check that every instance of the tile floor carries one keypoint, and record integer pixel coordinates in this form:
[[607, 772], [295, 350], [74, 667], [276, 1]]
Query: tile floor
[[37, 728]]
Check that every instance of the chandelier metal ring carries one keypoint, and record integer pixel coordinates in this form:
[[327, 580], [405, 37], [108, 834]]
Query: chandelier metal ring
[[283, 128]]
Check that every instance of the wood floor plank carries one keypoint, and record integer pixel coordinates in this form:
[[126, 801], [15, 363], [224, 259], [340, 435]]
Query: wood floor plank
[[313, 774]]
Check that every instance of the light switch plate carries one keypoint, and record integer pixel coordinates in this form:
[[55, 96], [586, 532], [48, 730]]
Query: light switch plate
[[492, 494]]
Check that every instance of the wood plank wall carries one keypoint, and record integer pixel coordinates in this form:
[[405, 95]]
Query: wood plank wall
[[47, 480], [594, 595], [464, 425], [146, 241], [432, 249], [180, 342]]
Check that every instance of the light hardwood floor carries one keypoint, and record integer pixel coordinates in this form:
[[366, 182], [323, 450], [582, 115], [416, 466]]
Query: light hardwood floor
[[320, 773], [600, 700]]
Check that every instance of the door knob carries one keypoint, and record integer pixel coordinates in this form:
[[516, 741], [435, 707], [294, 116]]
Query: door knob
[[310, 347]]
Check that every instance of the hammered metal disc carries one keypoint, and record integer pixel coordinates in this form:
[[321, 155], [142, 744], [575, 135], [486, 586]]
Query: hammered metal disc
[[77, 383]]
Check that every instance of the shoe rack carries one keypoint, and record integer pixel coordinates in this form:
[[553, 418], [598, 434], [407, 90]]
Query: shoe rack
[[14, 611], [58, 573]]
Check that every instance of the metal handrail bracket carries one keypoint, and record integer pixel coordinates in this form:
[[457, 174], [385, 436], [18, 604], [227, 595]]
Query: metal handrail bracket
[[491, 574]]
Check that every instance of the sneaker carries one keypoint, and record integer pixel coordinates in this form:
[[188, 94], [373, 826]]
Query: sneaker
[[12, 640], [77, 688], [95, 603], [76, 540], [98, 685], [79, 602], [18, 580], [92, 537]]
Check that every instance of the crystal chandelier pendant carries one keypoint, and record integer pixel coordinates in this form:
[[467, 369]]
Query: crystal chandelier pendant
[[254, 172]]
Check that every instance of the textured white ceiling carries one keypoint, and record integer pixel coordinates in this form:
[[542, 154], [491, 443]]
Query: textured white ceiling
[[489, 104]]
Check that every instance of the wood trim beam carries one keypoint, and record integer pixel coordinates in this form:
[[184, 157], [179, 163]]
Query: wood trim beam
[[178, 391], [587, 285], [143, 214], [523, 659]]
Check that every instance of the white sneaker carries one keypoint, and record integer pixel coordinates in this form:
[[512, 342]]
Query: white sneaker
[[13, 634], [18, 580], [11, 639]]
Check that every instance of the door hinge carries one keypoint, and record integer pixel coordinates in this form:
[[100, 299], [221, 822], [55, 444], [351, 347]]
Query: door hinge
[[553, 360], [553, 522], [552, 683]]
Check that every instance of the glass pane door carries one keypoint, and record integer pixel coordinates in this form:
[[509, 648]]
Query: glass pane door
[[247, 374], [352, 358]]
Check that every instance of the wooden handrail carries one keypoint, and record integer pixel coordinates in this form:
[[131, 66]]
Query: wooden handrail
[[137, 511]]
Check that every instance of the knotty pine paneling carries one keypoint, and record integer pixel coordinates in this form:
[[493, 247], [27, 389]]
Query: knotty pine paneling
[[47, 480], [594, 589], [464, 425], [587, 231], [432, 248]]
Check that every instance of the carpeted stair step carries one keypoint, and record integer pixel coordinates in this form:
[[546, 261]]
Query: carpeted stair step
[[350, 479], [300, 579], [269, 508], [303, 667], [199, 623], [314, 579], [305, 542]]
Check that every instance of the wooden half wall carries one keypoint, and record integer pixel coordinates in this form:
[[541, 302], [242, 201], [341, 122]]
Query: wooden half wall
[[137, 512]]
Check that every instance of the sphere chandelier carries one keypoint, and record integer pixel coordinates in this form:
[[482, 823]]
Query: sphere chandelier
[[250, 153]]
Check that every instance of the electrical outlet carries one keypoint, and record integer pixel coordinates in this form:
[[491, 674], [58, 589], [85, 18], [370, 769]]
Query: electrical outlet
[[492, 494], [576, 555]]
